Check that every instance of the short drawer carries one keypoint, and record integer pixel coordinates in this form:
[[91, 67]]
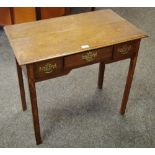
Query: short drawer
[[48, 68], [125, 50], [88, 57]]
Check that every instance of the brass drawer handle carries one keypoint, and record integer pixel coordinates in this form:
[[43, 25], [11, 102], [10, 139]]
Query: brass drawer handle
[[48, 68], [125, 49], [90, 56]]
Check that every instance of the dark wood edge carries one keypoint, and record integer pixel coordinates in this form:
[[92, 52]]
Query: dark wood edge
[[67, 10], [105, 61], [68, 70], [92, 8], [38, 13], [101, 75], [90, 63], [21, 85], [12, 15], [34, 107]]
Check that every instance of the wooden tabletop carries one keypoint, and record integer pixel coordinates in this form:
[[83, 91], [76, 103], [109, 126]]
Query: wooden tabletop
[[56, 37]]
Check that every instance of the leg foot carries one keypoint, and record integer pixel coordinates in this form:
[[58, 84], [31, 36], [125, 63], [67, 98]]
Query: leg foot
[[21, 86], [101, 75]]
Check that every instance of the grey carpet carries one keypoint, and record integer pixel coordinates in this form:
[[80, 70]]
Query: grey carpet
[[73, 112]]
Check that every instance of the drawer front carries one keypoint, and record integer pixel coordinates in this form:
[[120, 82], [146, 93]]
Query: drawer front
[[125, 50], [48, 68], [89, 57]]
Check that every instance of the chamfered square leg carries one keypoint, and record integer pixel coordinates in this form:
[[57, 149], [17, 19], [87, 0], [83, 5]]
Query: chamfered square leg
[[21, 86], [132, 66], [101, 74], [34, 107]]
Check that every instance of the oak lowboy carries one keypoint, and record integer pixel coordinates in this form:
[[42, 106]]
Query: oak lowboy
[[53, 47]]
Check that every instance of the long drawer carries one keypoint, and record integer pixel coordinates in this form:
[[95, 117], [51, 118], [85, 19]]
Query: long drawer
[[88, 57]]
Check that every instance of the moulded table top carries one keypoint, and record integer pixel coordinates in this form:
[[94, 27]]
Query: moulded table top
[[61, 36]]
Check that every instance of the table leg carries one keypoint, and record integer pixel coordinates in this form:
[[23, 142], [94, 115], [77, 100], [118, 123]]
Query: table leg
[[101, 74], [21, 86], [33, 97], [128, 84]]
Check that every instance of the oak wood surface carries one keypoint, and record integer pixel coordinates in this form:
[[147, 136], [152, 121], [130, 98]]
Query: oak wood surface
[[88, 57], [51, 38], [53, 75]]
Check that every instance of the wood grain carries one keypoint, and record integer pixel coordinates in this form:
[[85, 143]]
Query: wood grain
[[76, 60], [129, 80], [40, 73], [21, 86], [125, 50], [34, 107], [51, 38]]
